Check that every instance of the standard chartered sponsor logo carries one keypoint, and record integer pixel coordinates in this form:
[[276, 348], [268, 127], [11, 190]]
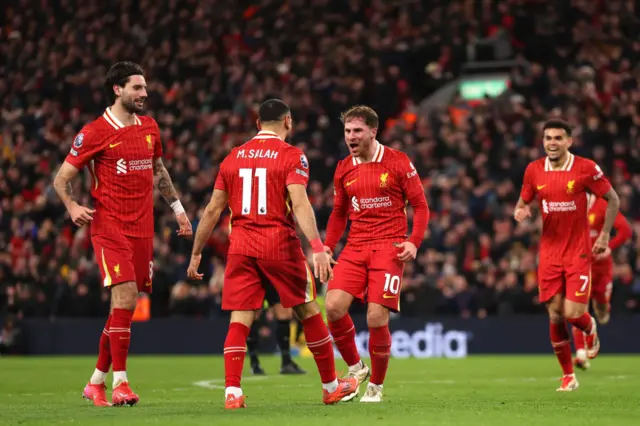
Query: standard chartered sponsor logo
[[140, 164], [354, 203], [121, 167], [375, 203], [558, 206]]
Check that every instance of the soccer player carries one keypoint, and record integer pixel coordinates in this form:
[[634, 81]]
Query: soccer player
[[560, 182], [283, 318], [264, 183], [124, 153], [371, 188], [601, 272]]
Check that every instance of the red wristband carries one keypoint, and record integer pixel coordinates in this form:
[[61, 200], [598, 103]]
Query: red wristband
[[317, 246]]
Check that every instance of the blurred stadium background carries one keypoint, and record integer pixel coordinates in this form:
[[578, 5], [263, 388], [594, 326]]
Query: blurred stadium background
[[461, 86]]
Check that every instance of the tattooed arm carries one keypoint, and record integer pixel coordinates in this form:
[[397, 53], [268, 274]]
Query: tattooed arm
[[164, 183], [80, 215], [169, 193]]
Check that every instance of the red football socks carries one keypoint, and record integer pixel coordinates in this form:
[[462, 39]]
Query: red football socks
[[380, 350], [578, 338], [560, 342], [234, 352], [583, 323], [319, 343], [120, 337], [344, 336], [104, 350]]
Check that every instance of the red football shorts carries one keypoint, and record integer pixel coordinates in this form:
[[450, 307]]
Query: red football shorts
[[572, 280], [122, 258], [602, 282], [370, 276], [245, 279]]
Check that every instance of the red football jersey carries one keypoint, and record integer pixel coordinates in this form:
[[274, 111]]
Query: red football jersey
[[256, 175], [597, 210], [562, 196], [120, 159], [376, 194]]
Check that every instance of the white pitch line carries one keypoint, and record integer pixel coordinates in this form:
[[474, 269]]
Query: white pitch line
[[219, 383]]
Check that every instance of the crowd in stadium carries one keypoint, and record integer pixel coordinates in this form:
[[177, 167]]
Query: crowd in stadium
[[209, 63]]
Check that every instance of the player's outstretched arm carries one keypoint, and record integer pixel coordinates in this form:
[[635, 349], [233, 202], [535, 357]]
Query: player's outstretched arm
[[303, 212], [169, 193], [80, 215], [613, 206], [208, 221]]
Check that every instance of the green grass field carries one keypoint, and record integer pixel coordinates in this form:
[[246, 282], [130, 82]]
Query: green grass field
[[189, 391]]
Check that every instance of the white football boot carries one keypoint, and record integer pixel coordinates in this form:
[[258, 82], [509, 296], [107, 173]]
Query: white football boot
[[373, 393], [360, 371]]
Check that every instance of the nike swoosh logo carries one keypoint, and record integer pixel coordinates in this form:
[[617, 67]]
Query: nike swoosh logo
[[580, 294], [540, 187], [388, 296], [113, 145], [349, 183]]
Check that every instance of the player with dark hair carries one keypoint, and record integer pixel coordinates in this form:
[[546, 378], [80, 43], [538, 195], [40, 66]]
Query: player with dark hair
[[561, 182], [601, 272], [372, 187], [124, 154], [264, 183]]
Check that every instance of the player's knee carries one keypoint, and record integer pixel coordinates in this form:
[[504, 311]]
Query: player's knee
[[307, 310], [243, 317], [282, 313], [377, 315], [575, 310], [336, 309], [556, 316], [124, 296]]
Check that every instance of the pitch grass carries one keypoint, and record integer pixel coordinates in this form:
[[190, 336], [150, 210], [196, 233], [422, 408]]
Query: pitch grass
[[188, 391]]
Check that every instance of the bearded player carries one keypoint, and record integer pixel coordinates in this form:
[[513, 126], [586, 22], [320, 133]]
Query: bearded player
[[372, 187], [601, 272], [560, 182], [124, 154], [264, 183]]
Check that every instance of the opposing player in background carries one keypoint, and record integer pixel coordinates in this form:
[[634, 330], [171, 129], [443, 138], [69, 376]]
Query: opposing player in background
[[601, 272], [283, 317], [372, 187], [264, 183], [560, 182], [124, 153]]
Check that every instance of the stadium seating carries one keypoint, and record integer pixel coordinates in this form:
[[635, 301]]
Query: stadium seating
[[209, 66]]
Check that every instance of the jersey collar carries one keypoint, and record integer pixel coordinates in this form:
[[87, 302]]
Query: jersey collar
[[267, 134], [566, 167], [377, 156], [115, 122]]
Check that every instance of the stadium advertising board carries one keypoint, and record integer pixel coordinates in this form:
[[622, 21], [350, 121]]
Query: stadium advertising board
[[411, 337]]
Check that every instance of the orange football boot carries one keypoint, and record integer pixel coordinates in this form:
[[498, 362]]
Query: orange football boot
[[346, 387], [568, 383], [96, 394], [233, 402], [123, 395]]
